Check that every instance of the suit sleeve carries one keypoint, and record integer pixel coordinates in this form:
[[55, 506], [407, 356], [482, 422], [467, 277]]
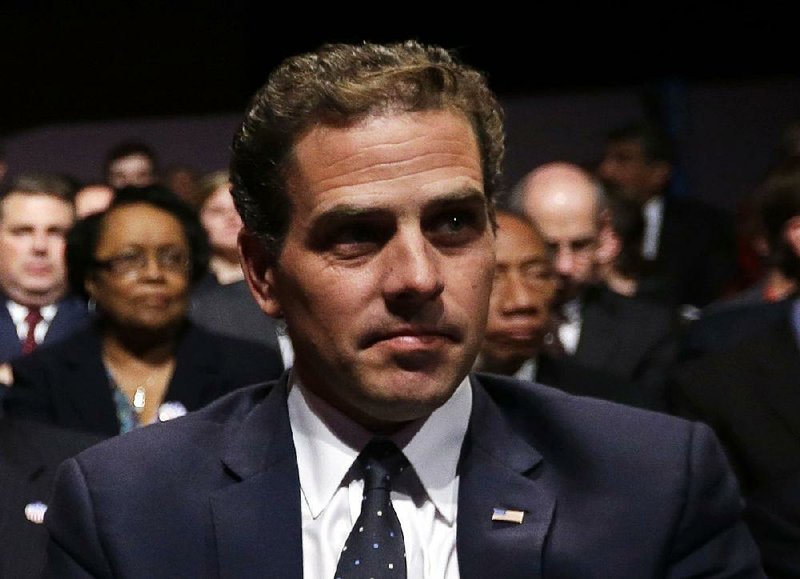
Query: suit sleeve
[[74, 550], [711, 538]]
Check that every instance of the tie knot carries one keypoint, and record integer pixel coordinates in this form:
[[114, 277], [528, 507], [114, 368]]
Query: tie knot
[[34, 316], [380, 461]]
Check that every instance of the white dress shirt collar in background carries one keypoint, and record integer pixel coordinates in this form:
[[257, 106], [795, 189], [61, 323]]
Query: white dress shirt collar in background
[[569, 330], [653, 213], [18, 313]]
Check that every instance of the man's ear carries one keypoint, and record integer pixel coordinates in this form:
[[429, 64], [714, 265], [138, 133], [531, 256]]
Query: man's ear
[[608, 242], [791, 233], [258, 264]]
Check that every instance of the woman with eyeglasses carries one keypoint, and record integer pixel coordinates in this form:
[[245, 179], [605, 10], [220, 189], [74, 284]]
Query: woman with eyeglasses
[[141, 360]]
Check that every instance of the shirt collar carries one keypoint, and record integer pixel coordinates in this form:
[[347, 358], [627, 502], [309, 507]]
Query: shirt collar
[[18, 312], [327, 442]]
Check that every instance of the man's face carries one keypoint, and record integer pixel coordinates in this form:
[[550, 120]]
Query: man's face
[[134, 170], [32, 231], [627, 170], [522, 296], [570, 227], [385, 273]]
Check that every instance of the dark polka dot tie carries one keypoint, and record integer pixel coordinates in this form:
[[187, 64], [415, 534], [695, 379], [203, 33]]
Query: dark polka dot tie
[[375, 547]]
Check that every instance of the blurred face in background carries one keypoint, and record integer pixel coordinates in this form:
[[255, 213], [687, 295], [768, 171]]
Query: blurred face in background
[[522, 295], [33, 227], [92, 199], [627, 170], [135, 170], [221, 221], [141, 280]]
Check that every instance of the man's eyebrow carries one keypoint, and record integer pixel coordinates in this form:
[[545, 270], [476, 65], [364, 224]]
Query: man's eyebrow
[[467, 196], [346, 213]]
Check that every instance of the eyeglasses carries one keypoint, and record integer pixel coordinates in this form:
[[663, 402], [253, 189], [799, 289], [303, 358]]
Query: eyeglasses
[[171, 259]]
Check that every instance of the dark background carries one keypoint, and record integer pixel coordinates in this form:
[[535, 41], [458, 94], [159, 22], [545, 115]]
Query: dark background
[[77, 61]]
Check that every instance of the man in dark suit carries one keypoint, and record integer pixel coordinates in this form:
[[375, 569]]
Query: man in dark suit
[[365, 176], [29, 455], [688, 244], [629, 337], [35, 215], [519, 339], [748, 392]]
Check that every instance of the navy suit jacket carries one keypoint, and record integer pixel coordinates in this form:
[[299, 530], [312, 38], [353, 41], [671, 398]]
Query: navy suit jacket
[[70, 316], [607, 490], [66, 384]]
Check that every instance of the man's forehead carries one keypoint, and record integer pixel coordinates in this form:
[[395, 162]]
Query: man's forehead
[[15, 207]]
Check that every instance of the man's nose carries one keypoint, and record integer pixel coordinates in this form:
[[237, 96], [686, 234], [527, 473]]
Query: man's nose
[[564, 261], [516, 296], [40, 242], [413, 268]]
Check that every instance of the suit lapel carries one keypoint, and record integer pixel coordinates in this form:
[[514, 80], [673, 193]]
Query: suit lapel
[[263, 506], [71, 314], [497, 470], [10, 346]]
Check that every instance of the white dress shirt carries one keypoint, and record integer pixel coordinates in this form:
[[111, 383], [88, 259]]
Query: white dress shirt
[[569, 331], [425, 497], [19, 312], [653, 213]]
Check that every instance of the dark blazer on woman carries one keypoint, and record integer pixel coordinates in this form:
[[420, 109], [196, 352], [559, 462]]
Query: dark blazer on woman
[[66, 384]]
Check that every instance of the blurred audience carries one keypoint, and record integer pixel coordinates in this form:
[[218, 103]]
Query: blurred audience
[[141, 360], [222, 301], [520, 323], [130, 163], [748, 391], [622, 272], [725, 323], [689, 244], [218, 215], [35, 215], [92, 198], [519, 339], [181, 180], [629, 337]]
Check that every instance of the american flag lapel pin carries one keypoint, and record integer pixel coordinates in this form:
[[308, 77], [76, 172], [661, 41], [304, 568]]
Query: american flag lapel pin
[[508, 515]]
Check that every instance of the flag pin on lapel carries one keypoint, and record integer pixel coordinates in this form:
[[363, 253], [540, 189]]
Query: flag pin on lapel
[[508, 515], [34, 512]]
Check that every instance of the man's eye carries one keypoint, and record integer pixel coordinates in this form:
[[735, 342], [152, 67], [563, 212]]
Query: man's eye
[[456, 227], [581, 244], [356, 240], [355, 234]]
